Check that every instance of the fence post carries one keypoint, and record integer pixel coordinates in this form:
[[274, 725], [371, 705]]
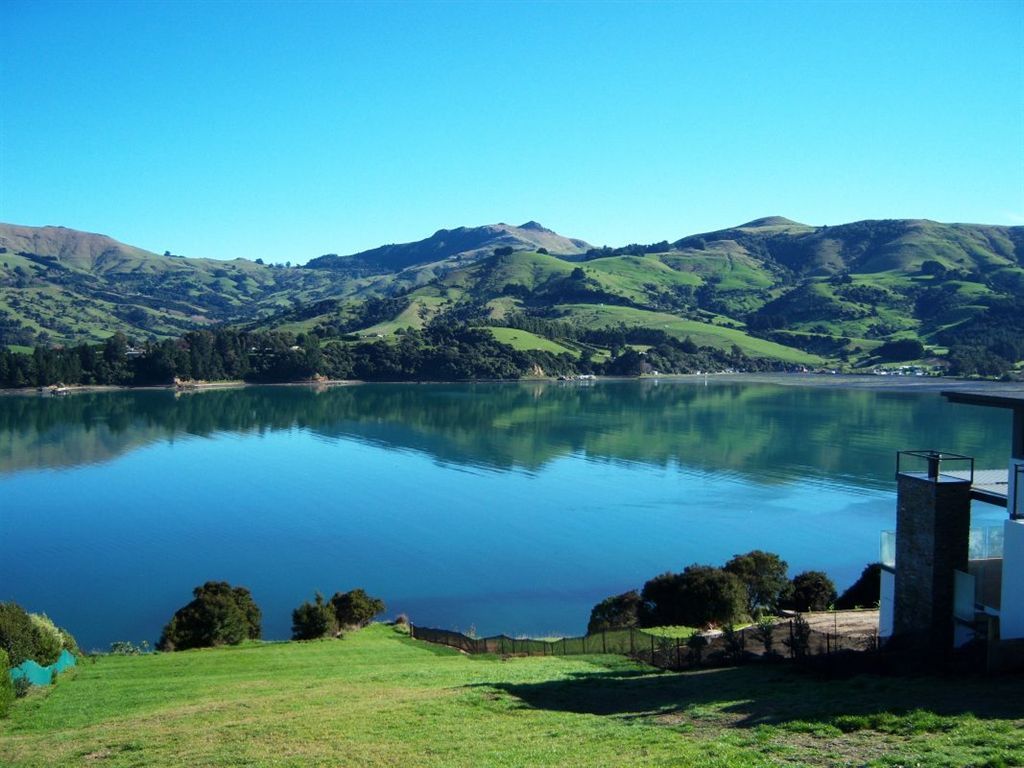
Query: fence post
[[632, 646], [679, 653], [604, 641], [652, 649], [791, 650]]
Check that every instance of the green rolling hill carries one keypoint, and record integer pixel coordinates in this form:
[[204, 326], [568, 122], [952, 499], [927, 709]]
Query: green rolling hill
[[772, 288]]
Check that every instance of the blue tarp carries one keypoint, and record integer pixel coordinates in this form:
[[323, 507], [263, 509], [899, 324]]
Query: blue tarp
[[40, 675]]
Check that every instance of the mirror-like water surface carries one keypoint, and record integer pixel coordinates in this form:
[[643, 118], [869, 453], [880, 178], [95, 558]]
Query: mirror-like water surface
[[505, 507]]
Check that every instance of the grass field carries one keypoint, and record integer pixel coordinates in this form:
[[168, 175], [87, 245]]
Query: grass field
[[518, 339], [703, 334], [377, 698]]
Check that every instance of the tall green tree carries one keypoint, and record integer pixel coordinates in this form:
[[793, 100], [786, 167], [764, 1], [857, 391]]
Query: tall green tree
[[764, 577]]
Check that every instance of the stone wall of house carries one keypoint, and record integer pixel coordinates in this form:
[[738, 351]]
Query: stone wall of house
[[933, 520]]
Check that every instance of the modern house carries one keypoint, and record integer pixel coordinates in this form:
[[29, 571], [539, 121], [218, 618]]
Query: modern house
[[945, 584]]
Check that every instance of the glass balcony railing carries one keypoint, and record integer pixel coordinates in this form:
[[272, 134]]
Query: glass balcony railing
[[984, 543], [887, 553]]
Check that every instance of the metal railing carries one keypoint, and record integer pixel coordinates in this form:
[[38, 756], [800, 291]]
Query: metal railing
[[933, 463], [718, 649]]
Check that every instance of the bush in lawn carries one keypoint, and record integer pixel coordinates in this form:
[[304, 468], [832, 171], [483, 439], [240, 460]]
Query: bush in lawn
[[865, 591], [6, 684], [764, 576], [128, 648], [617, 612], [699, 596], [764, 633], [51, 639], [48, 640], [697, 643], [735, 643], [812, 591], [313, 620], [355, 608], [799, 641], [219, 615], [17, 634], [25, 635]]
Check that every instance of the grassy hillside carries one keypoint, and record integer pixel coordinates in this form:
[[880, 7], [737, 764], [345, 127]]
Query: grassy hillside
[[377, 698], [772, 287], [59, 285]]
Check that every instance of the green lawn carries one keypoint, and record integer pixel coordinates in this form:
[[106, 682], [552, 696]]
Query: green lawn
[[377, 698]]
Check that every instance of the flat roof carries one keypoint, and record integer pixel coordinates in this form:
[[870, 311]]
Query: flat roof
[[1013, 400]]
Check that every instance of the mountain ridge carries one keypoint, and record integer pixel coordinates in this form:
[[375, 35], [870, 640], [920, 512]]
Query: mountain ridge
[[465, 242], [837, 291]]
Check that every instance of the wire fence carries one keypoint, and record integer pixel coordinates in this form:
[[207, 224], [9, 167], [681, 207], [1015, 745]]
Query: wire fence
[[789, 638]]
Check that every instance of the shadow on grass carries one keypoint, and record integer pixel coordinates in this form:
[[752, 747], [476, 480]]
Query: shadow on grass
[[764, 695]]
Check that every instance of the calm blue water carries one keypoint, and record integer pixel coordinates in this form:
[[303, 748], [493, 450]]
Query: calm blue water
[[507, 508]]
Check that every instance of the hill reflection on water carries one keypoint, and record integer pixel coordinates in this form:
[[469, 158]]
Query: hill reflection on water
[[776, 433]]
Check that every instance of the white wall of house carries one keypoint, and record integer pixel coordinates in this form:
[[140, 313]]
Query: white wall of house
[[1015, 495], [1011, 610], [886, 601]]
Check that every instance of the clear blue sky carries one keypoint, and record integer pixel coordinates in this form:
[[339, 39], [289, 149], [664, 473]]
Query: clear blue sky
[[285, 131]]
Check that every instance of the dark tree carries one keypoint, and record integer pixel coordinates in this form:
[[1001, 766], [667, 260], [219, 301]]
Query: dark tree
[[812, 591], [698, 596], [901, 349], [764, 576], [314, 620], [219, 615], [865, 591], [355, 608], [616, 612]]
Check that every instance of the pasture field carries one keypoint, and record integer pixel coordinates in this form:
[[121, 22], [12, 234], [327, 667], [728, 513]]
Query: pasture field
[[378, 698]]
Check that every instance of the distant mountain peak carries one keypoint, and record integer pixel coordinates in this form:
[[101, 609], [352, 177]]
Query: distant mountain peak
[[771, 221], [466, 243]]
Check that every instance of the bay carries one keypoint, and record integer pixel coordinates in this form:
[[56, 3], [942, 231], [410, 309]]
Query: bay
[[498, 507]]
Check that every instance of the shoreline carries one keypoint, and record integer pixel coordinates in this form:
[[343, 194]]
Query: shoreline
[[839, 381]]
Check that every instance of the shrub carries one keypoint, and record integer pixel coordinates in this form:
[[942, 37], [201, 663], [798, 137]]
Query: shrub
[[17, 633], [799, 641], [812, 591], [49, 641], [25, 635], [128, 648], [697, 643], [698, 596], [313, 620], [616, 612], [219, 615], [355, 608], [21, 687], [764, 576], [735, 643], [6, 684], [764, 633], [865, 591]]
